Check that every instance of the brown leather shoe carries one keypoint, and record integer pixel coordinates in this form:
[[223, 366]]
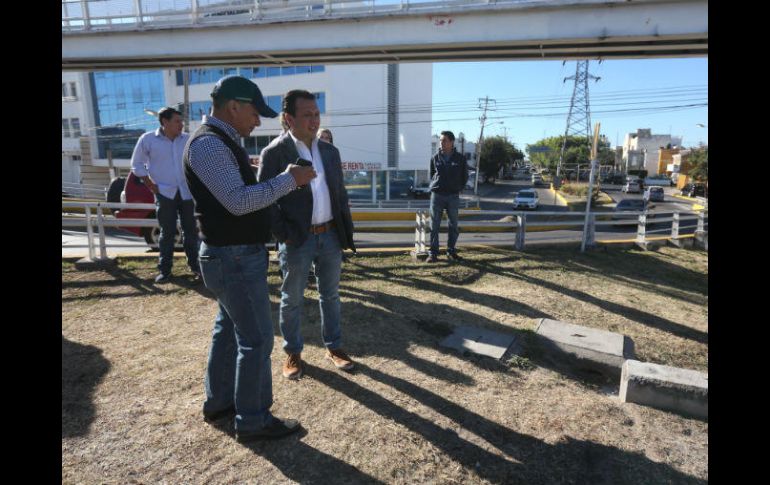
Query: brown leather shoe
[[340, 359], [293, 367]]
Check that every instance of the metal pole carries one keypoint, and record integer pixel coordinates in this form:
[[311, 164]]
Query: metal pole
[[100, 226], [90, 234], [594, 163]]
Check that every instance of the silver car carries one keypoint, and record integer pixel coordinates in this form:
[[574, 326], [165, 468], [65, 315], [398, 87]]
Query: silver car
[[654, 194], [526, 199], [632, 188]]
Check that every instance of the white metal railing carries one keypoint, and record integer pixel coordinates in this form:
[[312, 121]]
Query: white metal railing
[[99, 15], [95, 221], [83, 190]]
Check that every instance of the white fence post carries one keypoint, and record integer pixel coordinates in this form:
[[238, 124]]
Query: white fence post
[[674, 240], [90, 234], [641, 231], [701, 235], [423, 231], [100, 227], [521, 229]]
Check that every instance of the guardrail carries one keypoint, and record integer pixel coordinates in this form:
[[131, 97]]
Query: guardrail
[[95, 220], [100, 15], [84, 190]]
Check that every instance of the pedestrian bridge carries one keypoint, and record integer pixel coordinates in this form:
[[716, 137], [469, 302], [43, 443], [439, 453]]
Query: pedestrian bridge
[[149, 34]]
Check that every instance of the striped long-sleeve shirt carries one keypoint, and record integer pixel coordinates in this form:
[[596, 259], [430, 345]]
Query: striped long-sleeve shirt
[[216, 166]]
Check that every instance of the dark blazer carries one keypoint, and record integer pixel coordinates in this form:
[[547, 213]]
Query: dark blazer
[[291, 215]]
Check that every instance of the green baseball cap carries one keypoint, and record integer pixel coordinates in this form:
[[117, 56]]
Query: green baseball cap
[[241, 89]]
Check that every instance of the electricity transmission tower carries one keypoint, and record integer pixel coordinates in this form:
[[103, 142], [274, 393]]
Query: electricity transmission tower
[[579, 118]]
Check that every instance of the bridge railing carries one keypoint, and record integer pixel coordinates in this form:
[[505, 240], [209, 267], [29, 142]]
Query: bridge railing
[[87, 15]]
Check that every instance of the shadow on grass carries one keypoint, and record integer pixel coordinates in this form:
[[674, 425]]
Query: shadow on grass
[[521, 458], [82, 368], [141, 286], [300, 462]]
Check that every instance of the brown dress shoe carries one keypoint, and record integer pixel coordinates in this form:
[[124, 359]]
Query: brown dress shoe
[[340, 359], [292, 368]]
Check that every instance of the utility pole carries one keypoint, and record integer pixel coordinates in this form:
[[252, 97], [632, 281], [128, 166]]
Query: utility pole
[[483, 120], [579, 118], [186, 108]]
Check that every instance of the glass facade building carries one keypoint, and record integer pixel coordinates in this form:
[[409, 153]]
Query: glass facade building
[[120, 99]]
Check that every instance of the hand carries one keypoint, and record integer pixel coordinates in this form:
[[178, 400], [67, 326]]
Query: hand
[[302, 175]]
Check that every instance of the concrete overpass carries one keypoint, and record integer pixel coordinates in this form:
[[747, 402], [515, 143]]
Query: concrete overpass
[[146, 34]]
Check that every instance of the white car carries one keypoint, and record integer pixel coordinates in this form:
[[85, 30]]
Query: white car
[[632, 187], [526, 199]]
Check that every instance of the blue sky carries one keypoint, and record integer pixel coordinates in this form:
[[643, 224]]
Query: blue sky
[[639, 93]]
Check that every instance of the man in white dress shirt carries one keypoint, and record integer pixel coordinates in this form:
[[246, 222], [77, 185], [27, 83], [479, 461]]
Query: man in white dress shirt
[[157, 160], [312, 225]]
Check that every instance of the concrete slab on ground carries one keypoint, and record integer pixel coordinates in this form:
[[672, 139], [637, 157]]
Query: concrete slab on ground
[[590, 348], [683, 391], [479, 341]]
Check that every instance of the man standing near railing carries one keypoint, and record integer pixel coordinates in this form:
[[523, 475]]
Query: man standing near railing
[[157, 160], [449, 173], [231, 208]]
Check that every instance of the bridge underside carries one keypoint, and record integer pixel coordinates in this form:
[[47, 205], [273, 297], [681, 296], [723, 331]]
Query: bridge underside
[[566, 50], [618, 31]]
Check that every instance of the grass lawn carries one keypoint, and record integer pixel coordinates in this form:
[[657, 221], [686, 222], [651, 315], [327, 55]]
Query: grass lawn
[[134, 355]]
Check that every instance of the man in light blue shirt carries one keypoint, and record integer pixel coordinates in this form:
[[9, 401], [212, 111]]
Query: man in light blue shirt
[[157, 160]]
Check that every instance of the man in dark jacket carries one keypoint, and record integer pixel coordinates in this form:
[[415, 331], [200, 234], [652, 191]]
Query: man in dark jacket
[[449, 173], [312, 224]]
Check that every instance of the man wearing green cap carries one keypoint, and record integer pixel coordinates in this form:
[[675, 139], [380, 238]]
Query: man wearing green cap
[[230, 207]]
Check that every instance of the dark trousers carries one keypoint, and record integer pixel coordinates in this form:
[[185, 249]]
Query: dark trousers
[[168, 211]]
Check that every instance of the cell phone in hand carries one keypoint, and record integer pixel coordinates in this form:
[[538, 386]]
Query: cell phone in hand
[[303, 163]]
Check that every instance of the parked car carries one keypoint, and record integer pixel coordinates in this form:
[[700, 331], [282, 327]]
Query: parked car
[[526, 199], [632, 187], [135, 192], [658, 180], [420, 190], [625, 206], [654, 194], [694, 190]]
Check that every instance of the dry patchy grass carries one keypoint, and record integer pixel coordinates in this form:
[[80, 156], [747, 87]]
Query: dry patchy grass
[[134, 354]]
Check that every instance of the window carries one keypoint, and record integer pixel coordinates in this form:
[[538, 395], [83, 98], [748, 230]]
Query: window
[[63, 90], [321, 101], [198, 109], [303, 69], [75, 158], [73, 90], [75, 123], [288, 70], [273, 71], [65, 128], [317, 69], [274, 102]]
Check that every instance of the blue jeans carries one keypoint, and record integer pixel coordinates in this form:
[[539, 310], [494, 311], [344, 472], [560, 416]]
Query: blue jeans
[[439, 203], [167, 215], [323, 249], [239, 370]]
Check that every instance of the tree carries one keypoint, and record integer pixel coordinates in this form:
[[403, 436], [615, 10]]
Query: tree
[[495, 152], [699, 164], [577, 151]]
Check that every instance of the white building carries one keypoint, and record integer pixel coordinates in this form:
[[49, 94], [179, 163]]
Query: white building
[[370, 110], [640, 150]]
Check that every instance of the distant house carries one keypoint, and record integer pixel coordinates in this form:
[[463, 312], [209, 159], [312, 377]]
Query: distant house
[[641, 150]]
